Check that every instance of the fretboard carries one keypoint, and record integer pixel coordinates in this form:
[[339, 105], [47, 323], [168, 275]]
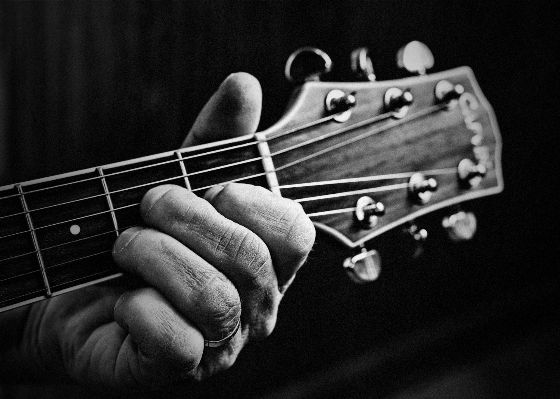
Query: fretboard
[[56, 234]]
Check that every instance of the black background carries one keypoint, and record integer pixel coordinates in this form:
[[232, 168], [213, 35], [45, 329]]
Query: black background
[[84, 84]]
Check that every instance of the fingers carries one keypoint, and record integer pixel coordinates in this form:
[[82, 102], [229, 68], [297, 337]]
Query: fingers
[[170, 347], [196, 289], [231, 248], [214, 260], [280, 223], [234, 110]]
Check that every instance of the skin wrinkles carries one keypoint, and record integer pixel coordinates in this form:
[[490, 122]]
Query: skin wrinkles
[[122, 336], [214, 306]]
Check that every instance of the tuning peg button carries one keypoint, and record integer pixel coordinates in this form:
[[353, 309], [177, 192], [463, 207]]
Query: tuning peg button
[[460, 226], [307, 64], [363, 267], [415, 57], [361, 64]]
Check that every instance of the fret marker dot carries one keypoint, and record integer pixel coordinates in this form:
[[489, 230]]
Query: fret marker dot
[[75, 229]]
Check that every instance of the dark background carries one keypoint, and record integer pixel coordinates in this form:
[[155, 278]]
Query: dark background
[[85, 84]]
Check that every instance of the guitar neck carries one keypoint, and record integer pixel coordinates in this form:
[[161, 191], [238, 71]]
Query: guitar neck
[[56, 233], [358, 172]]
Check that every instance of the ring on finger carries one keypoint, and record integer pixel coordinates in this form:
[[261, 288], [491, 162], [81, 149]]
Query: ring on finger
[[223, 341]]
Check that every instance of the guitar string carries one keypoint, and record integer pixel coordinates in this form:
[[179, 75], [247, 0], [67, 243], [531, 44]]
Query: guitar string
[[305, 199], [57, 265], [367, 178], [40, 291], [131, 188], [352, 180], [311, 141], [300, 128], [105, 175], [341, 181], [67, 282], [315, 183], [360, 137]]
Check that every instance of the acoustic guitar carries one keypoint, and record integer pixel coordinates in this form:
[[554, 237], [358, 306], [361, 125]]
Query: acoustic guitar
[[362, 158]]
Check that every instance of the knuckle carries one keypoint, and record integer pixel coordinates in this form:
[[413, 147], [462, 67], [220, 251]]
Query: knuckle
[[220, 305], [125, 305], [159, 200], [247, 252], [265, 321], [300, 235], [253, 254]]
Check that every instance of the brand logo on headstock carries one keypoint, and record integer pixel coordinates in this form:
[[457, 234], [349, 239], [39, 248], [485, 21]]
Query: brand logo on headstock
[[469, 105]]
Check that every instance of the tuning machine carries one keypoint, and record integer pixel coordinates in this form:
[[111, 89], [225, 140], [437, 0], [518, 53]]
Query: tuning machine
[[368, 211], [460, 226], [364, 267], [415, 57], [421, 188], [361, 65], [470, 174], [307, 64]]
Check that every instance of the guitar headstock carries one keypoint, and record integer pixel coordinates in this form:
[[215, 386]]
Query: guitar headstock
[[363, 158]]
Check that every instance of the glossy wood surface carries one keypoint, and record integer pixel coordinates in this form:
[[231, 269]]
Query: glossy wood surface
[[431, 139]]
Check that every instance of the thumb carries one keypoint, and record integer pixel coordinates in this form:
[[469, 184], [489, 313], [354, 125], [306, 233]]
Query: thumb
[[234, 110]]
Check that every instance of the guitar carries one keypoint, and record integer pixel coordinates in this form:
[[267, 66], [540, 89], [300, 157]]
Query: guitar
[[361, 158]]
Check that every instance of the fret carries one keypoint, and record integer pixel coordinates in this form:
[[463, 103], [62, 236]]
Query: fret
[[72, 220], [56, 234], [109, 201], [128, 183], [183, 169], [224, 163], [35, 242], [20, 274]]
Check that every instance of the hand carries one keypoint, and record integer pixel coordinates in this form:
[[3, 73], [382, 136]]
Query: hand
[[207, 264]]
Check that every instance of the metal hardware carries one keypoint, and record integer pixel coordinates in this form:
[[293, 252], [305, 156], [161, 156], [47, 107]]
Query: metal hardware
[[363, 267], [361, 64], [307, 64], [368, 211], [470, 174], [398, 101], [418, 234], [447, 92], [339, 103], [415, 57], [460, 226], [421, 188], [419, 237]]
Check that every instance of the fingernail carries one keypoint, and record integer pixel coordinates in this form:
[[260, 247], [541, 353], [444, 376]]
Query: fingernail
[[125, 238], [153, 196], [212, 192]]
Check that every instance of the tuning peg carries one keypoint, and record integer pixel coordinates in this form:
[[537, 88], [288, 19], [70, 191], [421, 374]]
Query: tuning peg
[[415, 57], [460, 226], [363, 267], [307, 64], [361, 64], [368, 211], [470, 174]]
